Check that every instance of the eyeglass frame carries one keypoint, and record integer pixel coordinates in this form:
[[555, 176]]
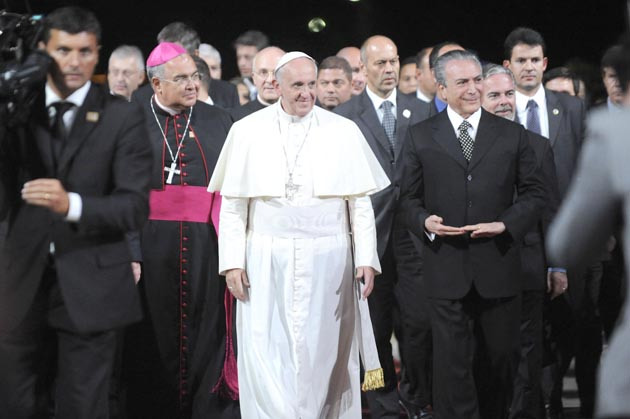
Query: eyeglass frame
[[184, 80]]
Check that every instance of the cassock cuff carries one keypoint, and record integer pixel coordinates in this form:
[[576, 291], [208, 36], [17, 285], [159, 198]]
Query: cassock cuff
[[75, 207]]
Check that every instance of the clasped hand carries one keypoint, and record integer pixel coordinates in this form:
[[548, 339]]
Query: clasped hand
[[433, 224]]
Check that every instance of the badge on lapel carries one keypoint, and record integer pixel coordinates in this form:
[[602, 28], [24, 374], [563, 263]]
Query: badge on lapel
[[555, 111], [406, 113], [92, 116]]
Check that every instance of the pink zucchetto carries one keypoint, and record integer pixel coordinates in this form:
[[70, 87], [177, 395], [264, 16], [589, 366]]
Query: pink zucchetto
[[165, 51]]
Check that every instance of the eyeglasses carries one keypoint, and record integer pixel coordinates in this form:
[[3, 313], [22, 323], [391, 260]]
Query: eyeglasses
[[264, 73], [182, 81]]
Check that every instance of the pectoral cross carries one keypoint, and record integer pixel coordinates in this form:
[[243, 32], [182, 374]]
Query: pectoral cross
[[291, 188], [171, 171]]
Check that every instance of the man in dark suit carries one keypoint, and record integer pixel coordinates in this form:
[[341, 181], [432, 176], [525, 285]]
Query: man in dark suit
[[460, 171], [384, 114], [71, 191], [560, 118], [499, 98]]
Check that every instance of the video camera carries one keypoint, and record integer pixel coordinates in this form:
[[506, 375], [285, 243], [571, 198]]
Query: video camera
[[22, 65]]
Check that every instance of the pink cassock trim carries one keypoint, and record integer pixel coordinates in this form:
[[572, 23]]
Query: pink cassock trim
[[185, 203]]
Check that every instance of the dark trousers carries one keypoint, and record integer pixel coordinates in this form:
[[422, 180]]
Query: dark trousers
[[476, 342], [401, 286], [46, 364], [526, 403], [577, 332]]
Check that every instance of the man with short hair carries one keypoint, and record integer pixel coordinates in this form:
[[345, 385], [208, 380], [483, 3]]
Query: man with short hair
[[212, 57], [614, 95], [181, 33], [561, 79], [179, 351], [247, 46], [353, 56], [295, 179], [74, 180], [384, 115], [125, 70], [424, 76], [460, 172], [263, 75], [499, 98], [407, 82], [560, 118], [438, 103], [334, 82]]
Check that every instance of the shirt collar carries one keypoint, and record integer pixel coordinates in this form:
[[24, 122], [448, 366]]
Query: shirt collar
[[285, 117], [539, 97], [76, 98], [170, 111], [422, 96], [377, 101], [456, 119]]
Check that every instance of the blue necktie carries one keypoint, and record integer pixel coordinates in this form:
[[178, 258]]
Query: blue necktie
[[533, 122]]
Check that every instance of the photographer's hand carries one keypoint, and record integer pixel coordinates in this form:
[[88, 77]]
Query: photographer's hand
[[48, 193]]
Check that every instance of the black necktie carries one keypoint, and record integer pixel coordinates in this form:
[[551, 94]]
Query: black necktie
[[533, 122], [58, 127]]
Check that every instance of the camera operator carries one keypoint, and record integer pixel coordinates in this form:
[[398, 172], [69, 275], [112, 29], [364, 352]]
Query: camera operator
[[73, 180]]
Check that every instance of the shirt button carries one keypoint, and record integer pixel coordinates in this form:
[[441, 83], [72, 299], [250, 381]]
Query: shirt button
[[185, 271], [469, 177], [184, 249], [182, 154], [184, 165]]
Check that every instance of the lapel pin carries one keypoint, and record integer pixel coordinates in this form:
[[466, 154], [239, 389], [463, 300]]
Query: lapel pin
[[191, 134], [406, 113], [555, 111], [91, 116]]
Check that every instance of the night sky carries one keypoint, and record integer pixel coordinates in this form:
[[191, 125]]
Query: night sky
[[571, 28]]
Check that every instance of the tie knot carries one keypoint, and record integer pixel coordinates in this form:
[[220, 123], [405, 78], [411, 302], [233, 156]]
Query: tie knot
[[387, 105], [61, 107], [464, 126], [531, 104]]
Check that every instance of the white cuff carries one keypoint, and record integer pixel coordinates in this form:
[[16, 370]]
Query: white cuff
[[75, 207]]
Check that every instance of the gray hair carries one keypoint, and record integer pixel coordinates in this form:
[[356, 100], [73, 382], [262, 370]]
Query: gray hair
[[493, 69], [180, 33], [127, 51], [155, 71], [440, 64], [209, 52]]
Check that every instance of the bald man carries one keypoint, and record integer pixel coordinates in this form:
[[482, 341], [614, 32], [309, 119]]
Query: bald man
[[353, 56], [384, 114], [263, 76]]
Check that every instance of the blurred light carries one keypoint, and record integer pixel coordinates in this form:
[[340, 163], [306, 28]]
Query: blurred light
[[354, 1], [317, 24]]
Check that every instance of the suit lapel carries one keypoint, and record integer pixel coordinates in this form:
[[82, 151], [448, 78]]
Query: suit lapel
[[370, 119], [554, 115], [85, 121], [403, 116], [444, 135], [485, 138], [40, 130]]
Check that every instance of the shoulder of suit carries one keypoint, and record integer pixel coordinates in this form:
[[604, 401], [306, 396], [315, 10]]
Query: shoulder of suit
[[206, 111], [350, 107]]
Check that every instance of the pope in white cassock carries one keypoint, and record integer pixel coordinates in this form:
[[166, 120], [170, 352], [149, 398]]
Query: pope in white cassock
[[291, 176]]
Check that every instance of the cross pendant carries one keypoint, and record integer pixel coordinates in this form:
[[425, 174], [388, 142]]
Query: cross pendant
[[171, 171], [291, 188]]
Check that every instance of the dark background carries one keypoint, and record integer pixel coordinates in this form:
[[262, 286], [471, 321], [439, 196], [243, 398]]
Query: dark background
[[571, 28]]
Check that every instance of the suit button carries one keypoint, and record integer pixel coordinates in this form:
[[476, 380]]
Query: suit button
[[469, 204], [469, 178]]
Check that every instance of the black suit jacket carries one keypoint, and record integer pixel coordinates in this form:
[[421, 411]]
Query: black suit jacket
[[533, 260], [566, 115], [408, 112], [224, 94], [107, 161], [437, 179], [241, 112]]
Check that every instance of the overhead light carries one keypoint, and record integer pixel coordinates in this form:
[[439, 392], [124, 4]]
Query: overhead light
[[317, 24]]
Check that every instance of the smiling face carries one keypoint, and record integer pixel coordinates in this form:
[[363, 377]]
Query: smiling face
[[528, 65], [381, 66], [75, 57], [463, 86], [498, 96], [296, 86]]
